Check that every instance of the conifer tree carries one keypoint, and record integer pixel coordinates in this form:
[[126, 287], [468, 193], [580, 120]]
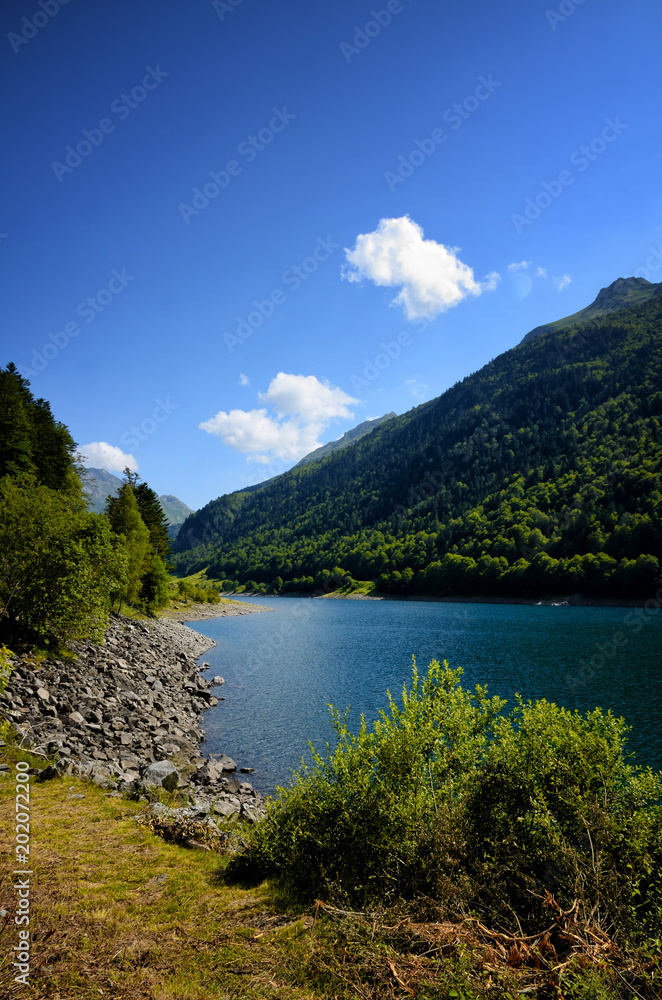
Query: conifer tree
[[124, 516], [154, 518], [15, 430]]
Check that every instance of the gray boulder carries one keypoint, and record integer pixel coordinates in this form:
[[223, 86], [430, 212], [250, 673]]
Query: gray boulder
[[161, 774], [227, 807]]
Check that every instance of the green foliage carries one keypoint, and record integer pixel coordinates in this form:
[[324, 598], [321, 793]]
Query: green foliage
[[5, 673], [154, 518], [155, 585], [61, 567], [31, 441], [136, 514], [58, 563], [125, 520], [188, 591], [539, 474], [450, 797]]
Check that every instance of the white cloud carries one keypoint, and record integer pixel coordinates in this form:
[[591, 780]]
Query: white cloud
[[562, 283], [431, 277], [254, 431], [519, 265], [417, 389], [541, 272], [303, 406], [244, 380], [101, 455], [307, 397]]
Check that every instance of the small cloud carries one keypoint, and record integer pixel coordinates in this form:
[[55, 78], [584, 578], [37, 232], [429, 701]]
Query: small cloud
[[244, 380], [522, 283], [302, 407], [490, 281], [431, 276], [417, 389], [521, 266], [101, 455]]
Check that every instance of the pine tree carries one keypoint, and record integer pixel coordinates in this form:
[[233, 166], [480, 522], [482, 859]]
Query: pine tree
[[15, 426], [124, 516], [154, 518]]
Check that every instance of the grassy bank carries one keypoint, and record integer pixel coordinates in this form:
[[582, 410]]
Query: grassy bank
[[119, 912]]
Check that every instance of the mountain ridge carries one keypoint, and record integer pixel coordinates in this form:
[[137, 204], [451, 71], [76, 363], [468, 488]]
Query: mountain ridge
[[538, 473], [355, 434], [621, 294]]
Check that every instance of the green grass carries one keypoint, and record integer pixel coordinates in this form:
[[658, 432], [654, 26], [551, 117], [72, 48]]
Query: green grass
[[118, 912]]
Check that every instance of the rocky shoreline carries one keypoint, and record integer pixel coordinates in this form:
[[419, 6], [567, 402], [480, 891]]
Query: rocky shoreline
[[125, 714]]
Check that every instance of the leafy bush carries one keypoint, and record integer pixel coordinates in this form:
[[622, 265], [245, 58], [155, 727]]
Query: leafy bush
[[58, 563], [188, 591], [452, 798]]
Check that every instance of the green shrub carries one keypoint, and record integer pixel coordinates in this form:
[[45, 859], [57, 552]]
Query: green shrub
[[59, 564], [5, 673], [452, 798]]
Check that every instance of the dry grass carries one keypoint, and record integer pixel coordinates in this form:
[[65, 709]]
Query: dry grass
[[117, 912]]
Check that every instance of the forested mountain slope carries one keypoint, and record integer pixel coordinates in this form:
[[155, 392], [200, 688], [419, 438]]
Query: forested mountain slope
[[355, 434], [540, 473], [621, 294]]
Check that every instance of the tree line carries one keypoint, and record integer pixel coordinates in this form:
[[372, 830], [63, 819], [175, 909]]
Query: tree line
[[63, 568]]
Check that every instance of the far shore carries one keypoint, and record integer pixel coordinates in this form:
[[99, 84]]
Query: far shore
[[201, 612], [564, 600]]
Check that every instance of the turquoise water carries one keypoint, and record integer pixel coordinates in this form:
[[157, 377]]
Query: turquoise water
[[282, 668]]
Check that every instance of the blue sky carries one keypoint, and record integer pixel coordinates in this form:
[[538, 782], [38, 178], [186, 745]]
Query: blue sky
[[448, 120]]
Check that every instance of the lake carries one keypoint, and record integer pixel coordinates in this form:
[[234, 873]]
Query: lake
[[282, 669]]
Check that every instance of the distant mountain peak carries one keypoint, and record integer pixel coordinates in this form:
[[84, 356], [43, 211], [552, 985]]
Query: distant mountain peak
[[99, 484], [621, 294], [616, 294]]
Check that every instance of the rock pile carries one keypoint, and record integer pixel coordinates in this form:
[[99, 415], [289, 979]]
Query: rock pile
[[125, 714]]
